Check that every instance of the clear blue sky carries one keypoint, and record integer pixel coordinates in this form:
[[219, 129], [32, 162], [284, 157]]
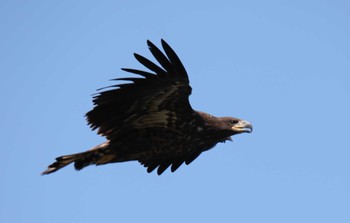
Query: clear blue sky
[[283, 65]]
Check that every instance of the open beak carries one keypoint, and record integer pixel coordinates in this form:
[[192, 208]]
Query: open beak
[[243, 126]]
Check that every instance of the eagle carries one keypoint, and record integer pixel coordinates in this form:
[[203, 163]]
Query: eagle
[[148, 118]]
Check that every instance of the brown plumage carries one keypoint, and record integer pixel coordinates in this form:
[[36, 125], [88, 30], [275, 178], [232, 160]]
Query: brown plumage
[[150, 119]]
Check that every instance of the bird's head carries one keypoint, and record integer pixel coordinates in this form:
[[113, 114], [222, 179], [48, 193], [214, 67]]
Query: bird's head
[[233, 126], [236, 125]]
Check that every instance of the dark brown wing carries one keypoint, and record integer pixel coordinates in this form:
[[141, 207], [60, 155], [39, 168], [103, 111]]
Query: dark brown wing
[[175, 162], [156, 99]]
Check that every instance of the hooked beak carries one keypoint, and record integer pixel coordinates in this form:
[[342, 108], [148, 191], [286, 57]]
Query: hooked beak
[[243, 126]]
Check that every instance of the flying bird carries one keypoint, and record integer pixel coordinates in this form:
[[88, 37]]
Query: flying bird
[[149, 119]]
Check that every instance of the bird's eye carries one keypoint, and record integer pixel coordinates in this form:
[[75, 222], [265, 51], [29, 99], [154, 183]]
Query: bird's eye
[[233, 122]]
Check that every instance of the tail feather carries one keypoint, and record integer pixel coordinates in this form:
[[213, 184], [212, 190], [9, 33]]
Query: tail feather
[[80, 160], [61, 162]]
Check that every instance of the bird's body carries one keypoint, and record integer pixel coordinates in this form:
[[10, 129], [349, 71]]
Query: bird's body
[[150, 120]]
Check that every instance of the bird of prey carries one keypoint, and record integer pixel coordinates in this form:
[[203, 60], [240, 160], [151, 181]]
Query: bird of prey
[[149, 119]]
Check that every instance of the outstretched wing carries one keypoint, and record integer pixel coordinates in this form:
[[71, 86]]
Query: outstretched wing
[[156, 99]]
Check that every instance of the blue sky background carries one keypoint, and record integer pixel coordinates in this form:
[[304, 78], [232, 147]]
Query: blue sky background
[[283, 65]]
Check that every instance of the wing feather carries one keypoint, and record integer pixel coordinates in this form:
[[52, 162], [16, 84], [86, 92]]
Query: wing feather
[[150, 65], [163, 164], [175, 60], [152, 167], [176, 164], [161, 58], [139, 72]]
